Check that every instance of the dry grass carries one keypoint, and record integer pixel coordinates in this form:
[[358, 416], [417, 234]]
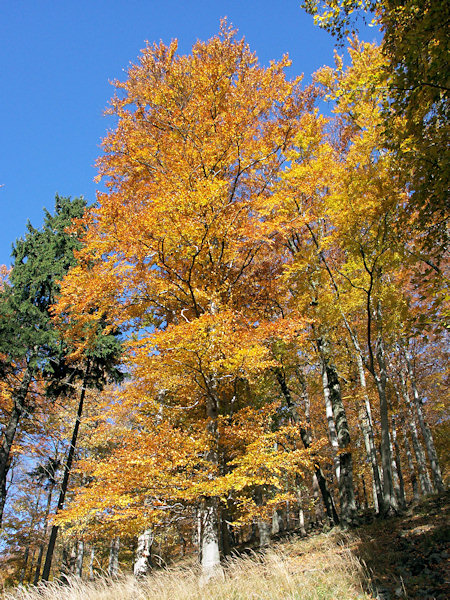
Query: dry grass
[[319, 568]]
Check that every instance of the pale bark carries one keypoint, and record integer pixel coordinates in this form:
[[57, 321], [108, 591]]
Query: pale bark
[[265, 531], [367, 430], [424, 478], [397, 468], [113, 562], [301, 512], [412, 471], [210, 555], [319, 479], [390, 504], [426, 431], [143, 562], [79, 559], [332, 434], [91, 563], [345, 482]]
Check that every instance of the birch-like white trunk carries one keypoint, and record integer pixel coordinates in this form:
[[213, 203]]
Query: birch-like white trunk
[[143, 562], [345, 482], [332, 434], [210, 554]]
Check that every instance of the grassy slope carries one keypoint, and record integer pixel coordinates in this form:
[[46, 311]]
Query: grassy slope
[[403, 557]]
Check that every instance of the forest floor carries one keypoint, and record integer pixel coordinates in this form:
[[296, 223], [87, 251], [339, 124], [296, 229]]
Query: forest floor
[[404, 557]]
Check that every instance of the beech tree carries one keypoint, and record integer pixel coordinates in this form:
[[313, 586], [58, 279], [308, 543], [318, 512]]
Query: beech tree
[[199, 140]]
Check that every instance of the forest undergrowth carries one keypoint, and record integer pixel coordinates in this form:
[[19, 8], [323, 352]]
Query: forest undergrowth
[[402, 557]]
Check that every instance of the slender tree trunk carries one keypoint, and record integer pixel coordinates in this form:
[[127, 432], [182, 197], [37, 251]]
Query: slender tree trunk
[[424, 478], [9, 434], [42, 544], [368, 434], [332, 434], [25, 562], [301, 512], [113, 563], [318, 510], [264, 528], [306, 440], [390, 504], [412, 471], [65, 481], [79, 559], [426, 431], [91, 564], [397, 468], [331, 383]]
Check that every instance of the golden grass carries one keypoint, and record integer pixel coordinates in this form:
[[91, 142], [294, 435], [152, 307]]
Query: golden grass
[[319, 568]]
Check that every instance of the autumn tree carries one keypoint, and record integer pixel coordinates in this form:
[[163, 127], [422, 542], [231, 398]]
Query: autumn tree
[[170, 249], [416, 114]]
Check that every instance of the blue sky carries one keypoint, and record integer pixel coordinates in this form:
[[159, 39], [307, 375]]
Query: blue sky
[[57, 58]]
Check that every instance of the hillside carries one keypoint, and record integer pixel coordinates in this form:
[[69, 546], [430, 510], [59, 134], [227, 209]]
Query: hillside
[[402, 557]]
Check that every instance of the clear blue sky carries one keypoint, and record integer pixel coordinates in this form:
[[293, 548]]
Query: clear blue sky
[[57, 58]]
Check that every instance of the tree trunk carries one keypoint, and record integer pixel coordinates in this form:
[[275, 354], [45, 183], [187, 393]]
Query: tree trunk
[[390, 505], [9, 435], [210, 555], [91, 564], [424, 478], [365, 415], [331, 383], [113, 563], [306, 440], [426, 431], [42, 545], [79, 559], [332, 434], [397, 468], [65, 481], [143, 563], [412, 471], [301, 512]]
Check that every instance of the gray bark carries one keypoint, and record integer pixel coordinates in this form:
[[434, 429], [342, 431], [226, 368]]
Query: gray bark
[[319, 478], [424, 478], [397, 468], [113, 563], [345, 483], [390, 504], [210, 555], [426, 431], [91, 563], [367, 430], [79, 559], [412, 471]]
